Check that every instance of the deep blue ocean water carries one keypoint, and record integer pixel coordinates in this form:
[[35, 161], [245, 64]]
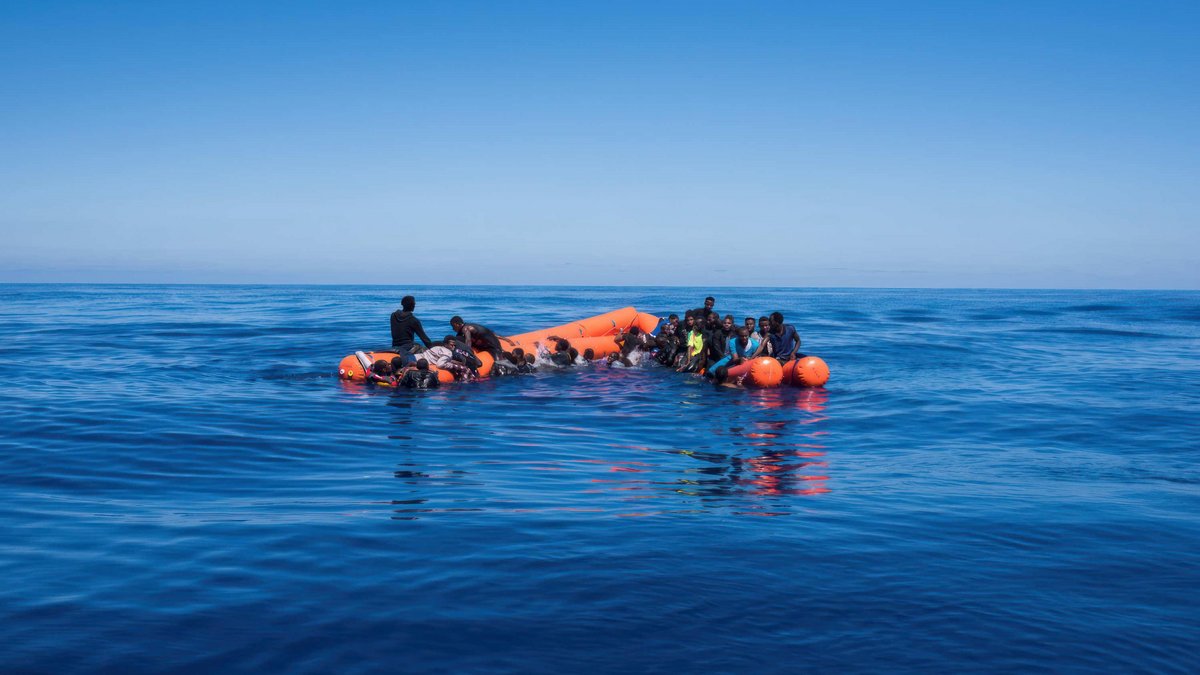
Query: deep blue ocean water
[[992, 481]]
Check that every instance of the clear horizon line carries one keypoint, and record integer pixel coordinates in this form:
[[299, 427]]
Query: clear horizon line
[[492, 285]]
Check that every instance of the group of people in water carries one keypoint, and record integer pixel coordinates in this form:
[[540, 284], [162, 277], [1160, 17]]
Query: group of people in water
[[702, 342]]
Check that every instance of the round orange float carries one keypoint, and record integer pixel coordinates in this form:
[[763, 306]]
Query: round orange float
[[764, 372], [761, 372], [809, 371]]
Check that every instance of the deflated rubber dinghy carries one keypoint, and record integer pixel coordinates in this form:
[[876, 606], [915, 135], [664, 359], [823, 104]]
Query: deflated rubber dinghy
[[595, 333]]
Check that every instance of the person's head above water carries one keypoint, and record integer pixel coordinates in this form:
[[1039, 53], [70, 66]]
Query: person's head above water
[[589, 354], [562, 345], [529, 359], [422, 364], [574, 353], [381, 367], [397, 364], [408, 303], [635, 331], [456, 323]]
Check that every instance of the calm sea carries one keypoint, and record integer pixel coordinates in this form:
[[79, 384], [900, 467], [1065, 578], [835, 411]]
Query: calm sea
[[992, 481]]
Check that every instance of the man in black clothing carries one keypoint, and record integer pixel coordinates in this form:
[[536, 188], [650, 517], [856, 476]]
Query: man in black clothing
[[668, 342], [706, 310], [718, 336], [480, 338], [405, 325], [459, 351]]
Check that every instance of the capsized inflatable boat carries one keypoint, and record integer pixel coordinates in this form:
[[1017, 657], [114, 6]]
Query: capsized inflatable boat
[[596, 333]]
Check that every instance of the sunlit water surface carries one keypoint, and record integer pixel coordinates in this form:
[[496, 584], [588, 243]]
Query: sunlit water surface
[[992, 480]]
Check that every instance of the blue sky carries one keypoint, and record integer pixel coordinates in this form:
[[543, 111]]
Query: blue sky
[[944, 144]]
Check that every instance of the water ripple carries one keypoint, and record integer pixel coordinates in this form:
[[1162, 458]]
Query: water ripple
[[1001, 478]]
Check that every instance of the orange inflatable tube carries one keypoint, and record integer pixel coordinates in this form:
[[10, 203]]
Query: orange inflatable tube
[[647, 323], [761, 372], [350, 368], [600, 346], [609, 323]]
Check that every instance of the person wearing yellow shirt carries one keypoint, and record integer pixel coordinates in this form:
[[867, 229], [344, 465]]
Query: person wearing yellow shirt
[[693, 344]]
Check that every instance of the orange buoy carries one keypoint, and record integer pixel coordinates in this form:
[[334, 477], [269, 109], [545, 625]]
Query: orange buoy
[[764, 372], [809, 371]]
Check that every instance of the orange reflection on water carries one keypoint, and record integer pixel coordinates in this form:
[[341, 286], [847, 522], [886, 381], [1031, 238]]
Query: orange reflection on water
[[757, 462], [781, 469]]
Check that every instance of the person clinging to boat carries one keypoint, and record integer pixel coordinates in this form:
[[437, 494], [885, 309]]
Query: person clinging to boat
[[480, 338], [450, 357], [631, 343], [417, 376], [381, 373]]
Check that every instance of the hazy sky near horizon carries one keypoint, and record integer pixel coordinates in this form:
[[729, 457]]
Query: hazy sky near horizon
[[948, 144]]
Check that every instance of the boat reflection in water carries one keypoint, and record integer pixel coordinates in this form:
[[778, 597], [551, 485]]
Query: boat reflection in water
[[751, 452], [753, 469]]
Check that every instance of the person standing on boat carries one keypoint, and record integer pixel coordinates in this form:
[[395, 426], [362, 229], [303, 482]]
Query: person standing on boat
[[405, 325]]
